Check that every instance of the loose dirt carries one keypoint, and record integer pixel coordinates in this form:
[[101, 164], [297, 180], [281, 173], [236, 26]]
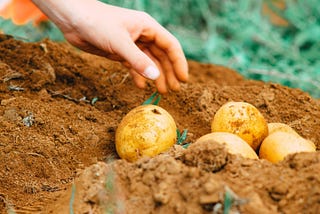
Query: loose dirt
[[58, 115]]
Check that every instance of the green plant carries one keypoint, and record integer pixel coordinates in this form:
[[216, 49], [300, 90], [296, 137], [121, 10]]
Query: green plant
[[181, 138], [73, 192]]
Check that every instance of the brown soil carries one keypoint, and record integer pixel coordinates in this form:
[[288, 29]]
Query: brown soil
[[57, 150]]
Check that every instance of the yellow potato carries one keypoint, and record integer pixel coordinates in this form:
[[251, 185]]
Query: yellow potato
[[233, 143], [242, 119], [275, 127], [146, 130], [279, 144]]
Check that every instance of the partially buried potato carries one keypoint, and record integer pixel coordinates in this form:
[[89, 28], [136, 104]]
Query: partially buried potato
[[279, 144], [242, 119], [233, 143], [282, 127], [145, 131]]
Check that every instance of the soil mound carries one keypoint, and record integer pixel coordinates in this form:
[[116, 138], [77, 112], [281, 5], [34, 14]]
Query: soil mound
[[58, 115]]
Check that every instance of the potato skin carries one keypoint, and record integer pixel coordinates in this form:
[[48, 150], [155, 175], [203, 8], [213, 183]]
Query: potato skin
[[146, 130], [275, 127], [242, 119], [278, 145], [233, 143]]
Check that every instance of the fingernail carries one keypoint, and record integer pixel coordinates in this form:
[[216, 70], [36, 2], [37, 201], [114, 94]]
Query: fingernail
[[151, 72]]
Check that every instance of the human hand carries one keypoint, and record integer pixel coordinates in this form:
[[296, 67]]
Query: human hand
[[129, 36]]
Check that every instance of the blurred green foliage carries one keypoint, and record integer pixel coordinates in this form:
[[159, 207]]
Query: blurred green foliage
[[234, 33], [31, 33]]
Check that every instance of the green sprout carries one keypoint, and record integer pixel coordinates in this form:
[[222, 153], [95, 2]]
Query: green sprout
[[231, 199], [154, 99], [228, 200], [73, 192], [94, 100], [181, 138]]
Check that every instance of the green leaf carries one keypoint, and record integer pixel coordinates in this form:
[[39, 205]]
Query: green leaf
[[154, 99]]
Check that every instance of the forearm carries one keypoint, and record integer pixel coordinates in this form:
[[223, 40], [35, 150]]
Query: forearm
[[64, 13]]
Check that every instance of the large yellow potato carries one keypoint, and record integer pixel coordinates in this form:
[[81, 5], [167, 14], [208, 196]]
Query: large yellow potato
[[276, 127], [279, 144], [233, 143], [242, 119], [147, 130]]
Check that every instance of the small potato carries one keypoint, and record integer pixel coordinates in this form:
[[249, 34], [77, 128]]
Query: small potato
[[233, 143], [279, 144], [242, 119], [145, 131], [276, 127]]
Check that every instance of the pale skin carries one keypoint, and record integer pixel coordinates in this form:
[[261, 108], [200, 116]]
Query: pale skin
[[129, 36]]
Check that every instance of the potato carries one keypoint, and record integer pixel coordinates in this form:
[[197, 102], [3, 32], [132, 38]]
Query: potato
[[278, 145], [147, 130], [242, 119], [233, 143], [275, 127]]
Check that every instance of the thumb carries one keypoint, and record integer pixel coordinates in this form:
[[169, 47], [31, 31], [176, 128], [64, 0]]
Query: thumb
[[138, 60]]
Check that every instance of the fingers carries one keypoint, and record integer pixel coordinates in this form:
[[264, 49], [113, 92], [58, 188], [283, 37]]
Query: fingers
[[158, 58], [166, 42], [139, 60], [160, 83], [167, 68], [143, 62], [172, 48], [167, 79], [152, 63], [139, 80]]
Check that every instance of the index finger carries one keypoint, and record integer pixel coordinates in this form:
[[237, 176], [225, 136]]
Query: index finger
[[171, 46]]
